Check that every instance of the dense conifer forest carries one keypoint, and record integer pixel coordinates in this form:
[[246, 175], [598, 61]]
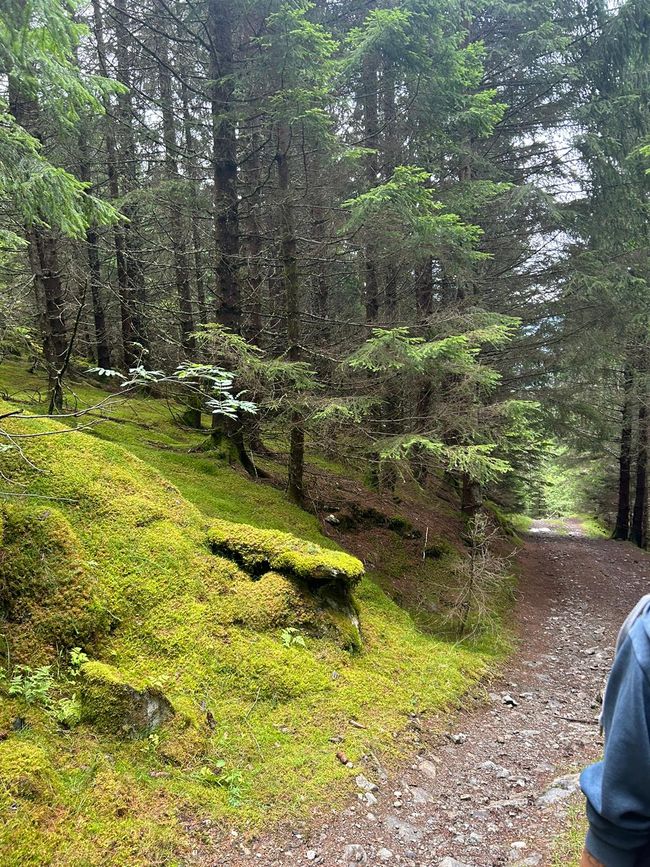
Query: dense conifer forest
[[414, 231], [280, 278]]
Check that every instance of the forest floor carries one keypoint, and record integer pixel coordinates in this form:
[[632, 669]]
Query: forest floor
[[494, 784]]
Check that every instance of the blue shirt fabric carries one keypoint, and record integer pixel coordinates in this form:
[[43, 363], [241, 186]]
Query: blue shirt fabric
[[618, 788]]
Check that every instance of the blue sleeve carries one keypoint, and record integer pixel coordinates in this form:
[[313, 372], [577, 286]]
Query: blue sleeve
[[618, 788]]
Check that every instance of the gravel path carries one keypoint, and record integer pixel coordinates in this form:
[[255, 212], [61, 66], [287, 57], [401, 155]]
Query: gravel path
[[492, 788]]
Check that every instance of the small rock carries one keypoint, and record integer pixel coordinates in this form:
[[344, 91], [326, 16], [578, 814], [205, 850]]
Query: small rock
[[365, 784], [559, 790], [420, 795], [355, 854], [332, 519], [384, 854], [311, 855], [510, 701], [408, 833], [458, 738], [132, 709], [428, 769], [451, 862]]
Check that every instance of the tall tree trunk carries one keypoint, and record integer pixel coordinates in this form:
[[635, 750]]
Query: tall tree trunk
[[319, 274], [43, 254], [640, 510], [424, 290], [194, 209], [288, 252], [181, 268], [220, 28], [102, 353], [226, 201], [471, 497], [391, 153], [102, 348], [622, 528], [368, 99], [127, 162], [125, 294], [255, 245], [44, 259]]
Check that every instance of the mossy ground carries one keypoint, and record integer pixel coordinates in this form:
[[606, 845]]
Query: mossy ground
[[250, 742], [568, 847], [592, 526]]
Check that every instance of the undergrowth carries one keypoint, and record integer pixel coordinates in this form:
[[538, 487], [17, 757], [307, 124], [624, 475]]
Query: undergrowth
[[259, 671]]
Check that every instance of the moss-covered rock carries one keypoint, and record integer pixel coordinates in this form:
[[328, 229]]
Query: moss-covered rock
[[47, 595], [345, 618], [276, 602], [273, 601], [25, 771], [260, 551], [113, 705]]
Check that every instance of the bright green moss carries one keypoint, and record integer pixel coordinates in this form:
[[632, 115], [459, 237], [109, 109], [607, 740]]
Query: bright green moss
[[262, 550], [25, 771], [270, 603], [113, 705], [48, 596]]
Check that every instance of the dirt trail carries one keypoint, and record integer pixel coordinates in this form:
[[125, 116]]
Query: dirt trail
[[482, 792]]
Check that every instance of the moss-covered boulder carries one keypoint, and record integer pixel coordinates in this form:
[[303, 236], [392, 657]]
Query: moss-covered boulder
[[47, 594], [261, 551], [276, 602], [112, 704], [25, 771], [272, 602]]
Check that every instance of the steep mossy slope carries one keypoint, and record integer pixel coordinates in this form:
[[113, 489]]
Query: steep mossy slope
[[228, 640]]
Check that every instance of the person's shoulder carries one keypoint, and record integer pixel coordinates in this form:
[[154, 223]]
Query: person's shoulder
[[642, 607], [639, 637]]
